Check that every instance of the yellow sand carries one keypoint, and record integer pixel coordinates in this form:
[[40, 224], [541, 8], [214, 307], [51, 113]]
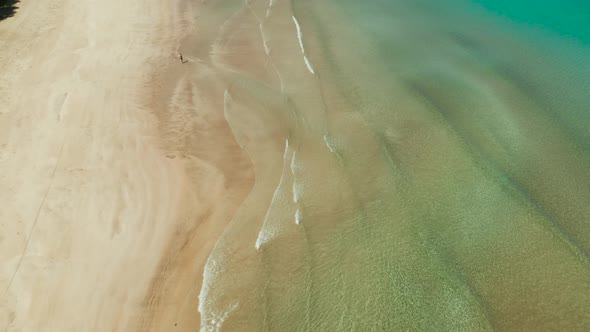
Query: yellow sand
[[112, 190]]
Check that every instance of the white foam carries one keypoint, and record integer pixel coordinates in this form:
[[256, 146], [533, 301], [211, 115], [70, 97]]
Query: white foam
[[298, 217], [267, 232], [295, 194], [309, 67], [210, 272], [297, 191], [300, 37], [329, 144], [286, 149], [299, 34], [297, 185], [293, 163], [215, 323], [264, 41], [268, 10], [259, 241], [212, 317]]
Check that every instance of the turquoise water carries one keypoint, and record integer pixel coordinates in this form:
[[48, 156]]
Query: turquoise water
[[567, 18], [560, 29], [542, 45], [420, 166]]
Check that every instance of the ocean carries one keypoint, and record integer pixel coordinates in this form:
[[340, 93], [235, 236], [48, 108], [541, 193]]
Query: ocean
[[420, 165]]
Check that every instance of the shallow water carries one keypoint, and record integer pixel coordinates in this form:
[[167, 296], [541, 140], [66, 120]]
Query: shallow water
[[419, 165]]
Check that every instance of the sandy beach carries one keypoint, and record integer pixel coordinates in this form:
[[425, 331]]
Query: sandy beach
[[112, 193], [332, 165]]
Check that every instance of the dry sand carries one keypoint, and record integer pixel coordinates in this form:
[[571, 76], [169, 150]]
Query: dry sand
[[118, 172]]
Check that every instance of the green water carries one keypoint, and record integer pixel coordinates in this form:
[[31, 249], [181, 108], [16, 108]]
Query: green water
[[567, 18], [436, 174]]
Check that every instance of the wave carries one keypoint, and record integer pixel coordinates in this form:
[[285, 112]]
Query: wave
[[299, 34], [269, 229], [211, 320], [300, 38], [329, 144], [269, 9], [297, 191], [264, 41], [298, 217], [308, 64]]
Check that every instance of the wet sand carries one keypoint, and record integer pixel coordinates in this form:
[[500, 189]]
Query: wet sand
[[118, 170]]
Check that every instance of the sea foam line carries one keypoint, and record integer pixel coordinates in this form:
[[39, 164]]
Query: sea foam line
[[297, 191], [329, 144], [298, 217], [215, 323], [308, 64], [266, 232], [286, 149], [300, 37], [267, 48], [212, 317], [299, 34], [293, 165], [297, 185], [264, 41], [268, 10]]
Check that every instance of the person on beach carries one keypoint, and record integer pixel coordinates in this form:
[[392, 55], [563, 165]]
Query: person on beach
[[181, 58]]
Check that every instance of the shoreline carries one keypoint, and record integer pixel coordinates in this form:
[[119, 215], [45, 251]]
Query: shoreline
[[189, 108], [415, 165], [113, 206]]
